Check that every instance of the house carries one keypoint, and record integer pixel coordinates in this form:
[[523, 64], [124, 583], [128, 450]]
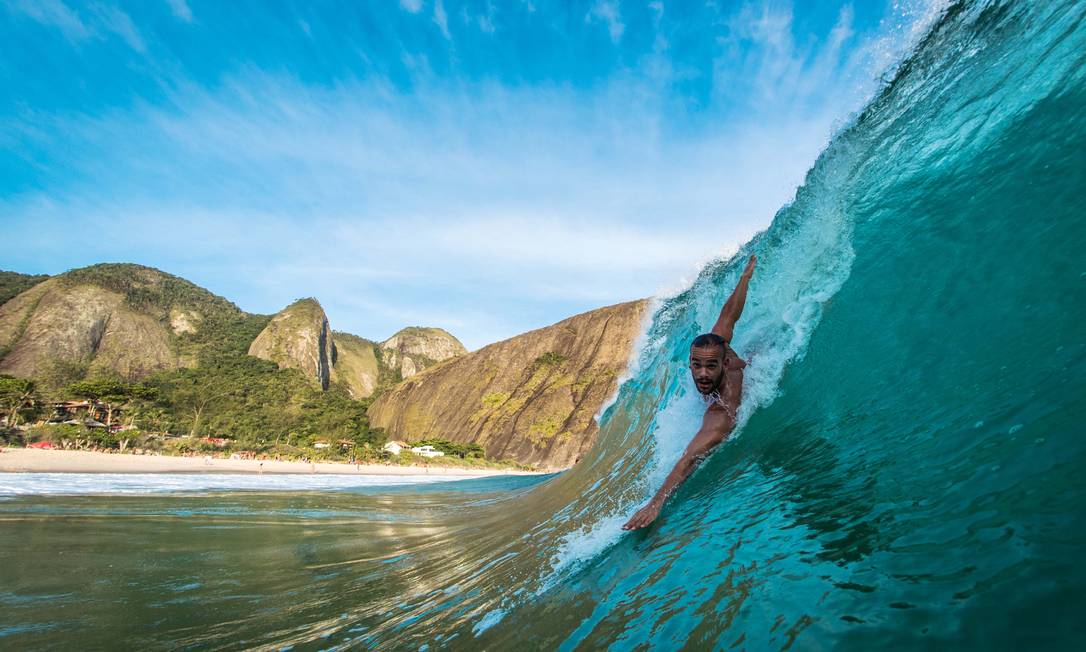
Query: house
[[89, 413], [427, 451], [320, 444], [394, 447]]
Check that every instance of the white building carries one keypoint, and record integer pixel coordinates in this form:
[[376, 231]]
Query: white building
[[394, 447], [426, 451]]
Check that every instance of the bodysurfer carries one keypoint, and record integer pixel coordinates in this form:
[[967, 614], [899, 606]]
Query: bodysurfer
[[718, 375]]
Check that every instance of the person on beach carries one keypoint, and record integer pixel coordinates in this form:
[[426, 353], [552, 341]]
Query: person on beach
[[718, 374]]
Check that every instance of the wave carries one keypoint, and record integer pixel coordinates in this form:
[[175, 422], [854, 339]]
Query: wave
[[907, 470]]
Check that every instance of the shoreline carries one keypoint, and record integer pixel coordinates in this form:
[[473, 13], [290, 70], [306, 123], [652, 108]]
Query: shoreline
[[23, 460]]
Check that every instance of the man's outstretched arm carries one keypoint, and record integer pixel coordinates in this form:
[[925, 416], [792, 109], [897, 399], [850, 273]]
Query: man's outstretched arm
[[733, 308], [715, 428]]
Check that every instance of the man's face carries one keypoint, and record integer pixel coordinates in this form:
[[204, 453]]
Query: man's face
[[707, 368]]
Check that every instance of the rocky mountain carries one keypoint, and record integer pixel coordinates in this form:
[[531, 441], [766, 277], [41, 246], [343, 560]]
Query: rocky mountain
[[298, 337], [127, 318], [413, 349], [531, 398], [366, 367], [136, 320], [357, 365]]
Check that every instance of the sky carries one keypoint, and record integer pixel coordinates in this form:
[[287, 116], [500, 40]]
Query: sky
[[485, 167]]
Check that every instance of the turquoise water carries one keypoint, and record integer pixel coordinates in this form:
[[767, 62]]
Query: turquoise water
[[908, 473]]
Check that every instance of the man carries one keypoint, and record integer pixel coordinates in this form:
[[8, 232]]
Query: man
[[718, 375]]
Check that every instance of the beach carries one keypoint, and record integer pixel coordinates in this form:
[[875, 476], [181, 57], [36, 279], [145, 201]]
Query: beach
[[22, 460]]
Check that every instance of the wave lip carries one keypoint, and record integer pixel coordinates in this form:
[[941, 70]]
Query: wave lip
[[926, 279]]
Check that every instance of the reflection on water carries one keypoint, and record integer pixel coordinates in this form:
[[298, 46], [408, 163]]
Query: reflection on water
[[234, 569]]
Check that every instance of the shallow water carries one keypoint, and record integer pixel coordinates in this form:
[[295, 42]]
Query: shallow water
[[908, 472]]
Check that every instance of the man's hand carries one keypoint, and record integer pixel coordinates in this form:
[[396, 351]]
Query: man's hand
[[749, 270], [644, 516]]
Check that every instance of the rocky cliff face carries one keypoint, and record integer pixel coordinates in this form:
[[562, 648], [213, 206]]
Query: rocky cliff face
[[298, 337], [73, 321], [531, 398], [364, 367], [413, 349], [356, 367]]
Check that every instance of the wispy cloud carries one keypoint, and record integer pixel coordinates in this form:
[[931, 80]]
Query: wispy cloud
[[56, 14], [441, 19], [607, 12], [492, 196], [181, 10], [95, 20], [118, 22], [411, 6]]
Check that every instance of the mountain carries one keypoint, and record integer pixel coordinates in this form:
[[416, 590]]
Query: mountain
[[134, 321], [531, 398], [14, 283], [413, 349], [358, 366], [130, 319], [366, 367], [298, 337]]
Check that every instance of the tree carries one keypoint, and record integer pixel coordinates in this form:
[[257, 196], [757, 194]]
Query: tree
[[16, 394], [56, 372], [197, 395], [111, 392]]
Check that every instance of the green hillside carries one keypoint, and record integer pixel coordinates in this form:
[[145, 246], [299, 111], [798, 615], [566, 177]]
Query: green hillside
[[222, 327], [14, 283]]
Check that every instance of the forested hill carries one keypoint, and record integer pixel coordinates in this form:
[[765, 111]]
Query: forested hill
[[13, 283]]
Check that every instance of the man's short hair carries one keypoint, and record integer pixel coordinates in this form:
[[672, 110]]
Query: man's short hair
[[706, 340]]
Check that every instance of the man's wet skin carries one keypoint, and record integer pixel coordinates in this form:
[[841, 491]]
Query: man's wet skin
[[718, 375]]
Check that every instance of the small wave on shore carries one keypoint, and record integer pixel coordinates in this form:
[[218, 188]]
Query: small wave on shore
[[76, 484]]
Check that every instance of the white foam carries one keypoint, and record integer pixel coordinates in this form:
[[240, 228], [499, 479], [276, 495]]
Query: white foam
[[488, 620]]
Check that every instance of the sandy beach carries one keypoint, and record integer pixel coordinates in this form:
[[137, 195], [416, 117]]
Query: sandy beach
[[22, 460]]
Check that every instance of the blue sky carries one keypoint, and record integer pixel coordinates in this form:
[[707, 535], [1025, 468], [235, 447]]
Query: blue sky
[[486, 167]]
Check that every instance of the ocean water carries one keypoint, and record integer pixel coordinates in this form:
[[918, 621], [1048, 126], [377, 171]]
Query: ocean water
[[908, 473], [77, 484]]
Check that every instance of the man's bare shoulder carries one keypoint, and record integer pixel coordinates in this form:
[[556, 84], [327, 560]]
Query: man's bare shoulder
[[718, 413], [732, 361]]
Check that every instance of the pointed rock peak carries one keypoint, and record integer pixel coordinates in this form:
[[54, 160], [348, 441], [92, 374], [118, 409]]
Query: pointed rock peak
[[298, 337], [305, 303]]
